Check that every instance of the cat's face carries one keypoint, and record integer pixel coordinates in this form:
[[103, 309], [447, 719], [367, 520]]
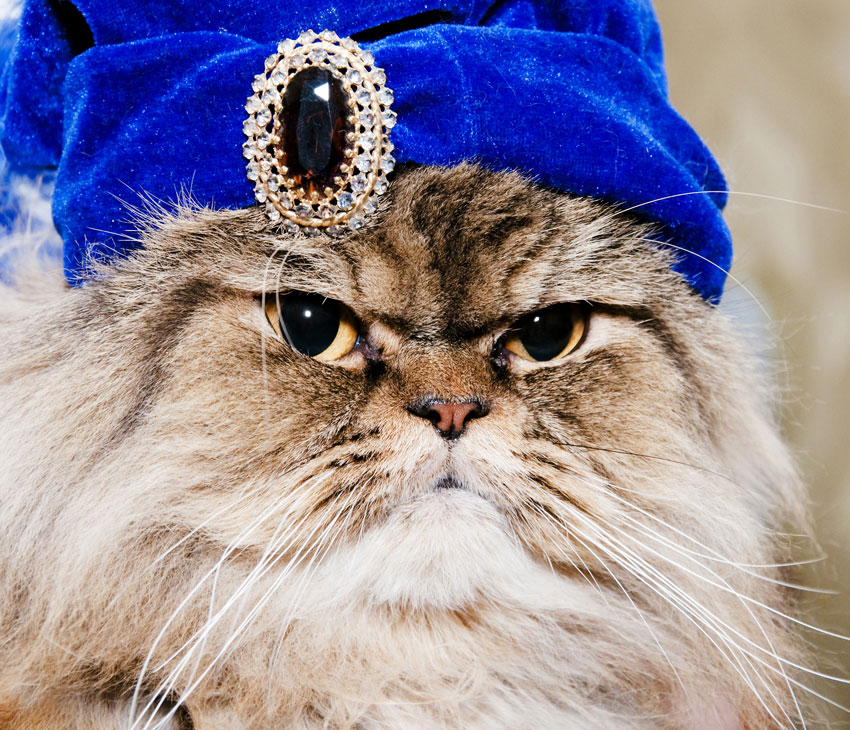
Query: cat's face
[[434, 299], [501, 383]]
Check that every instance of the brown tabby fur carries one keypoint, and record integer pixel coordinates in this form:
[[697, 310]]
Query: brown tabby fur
[[603, 560]]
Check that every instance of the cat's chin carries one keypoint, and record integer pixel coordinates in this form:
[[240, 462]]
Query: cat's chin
[[443, 550]]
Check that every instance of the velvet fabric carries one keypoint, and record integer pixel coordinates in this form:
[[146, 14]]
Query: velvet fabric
[[128, 98]]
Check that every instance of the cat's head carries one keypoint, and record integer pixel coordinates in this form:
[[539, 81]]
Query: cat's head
[[490, 378]]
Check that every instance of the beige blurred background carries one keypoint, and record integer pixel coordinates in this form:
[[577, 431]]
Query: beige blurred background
[[767, 85]]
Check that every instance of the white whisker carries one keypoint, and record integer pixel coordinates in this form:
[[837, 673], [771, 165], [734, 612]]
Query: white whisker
[[762, 196], [306, 548], [675, 599]]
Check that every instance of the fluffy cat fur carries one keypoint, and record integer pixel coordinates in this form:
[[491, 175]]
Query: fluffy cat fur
[[201, 528]]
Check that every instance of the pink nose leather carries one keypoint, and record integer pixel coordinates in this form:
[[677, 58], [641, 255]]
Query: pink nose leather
[[453, 416], [449, 417]]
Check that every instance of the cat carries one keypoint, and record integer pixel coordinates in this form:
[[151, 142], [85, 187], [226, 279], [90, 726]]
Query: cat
[[518, 474]]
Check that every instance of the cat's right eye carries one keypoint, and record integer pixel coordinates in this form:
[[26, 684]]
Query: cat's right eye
[[548, 334], [312, 324]]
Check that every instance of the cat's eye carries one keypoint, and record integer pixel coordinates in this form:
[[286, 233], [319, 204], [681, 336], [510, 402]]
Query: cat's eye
[[548, 334], [322, 328]]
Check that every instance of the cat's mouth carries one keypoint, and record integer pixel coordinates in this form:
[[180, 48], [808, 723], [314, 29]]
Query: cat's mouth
[[449, 487], [447, 483]]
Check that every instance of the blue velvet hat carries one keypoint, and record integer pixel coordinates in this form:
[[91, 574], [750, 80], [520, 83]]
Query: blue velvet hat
[[127, 97]]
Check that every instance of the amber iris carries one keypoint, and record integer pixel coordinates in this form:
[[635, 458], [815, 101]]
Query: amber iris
[[315, 123], [312, 324], [550, 333]]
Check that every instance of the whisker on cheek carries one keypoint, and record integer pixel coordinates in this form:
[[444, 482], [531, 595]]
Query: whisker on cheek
[[692, 611], [279, 544]]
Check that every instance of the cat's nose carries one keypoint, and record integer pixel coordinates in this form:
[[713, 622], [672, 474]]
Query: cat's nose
[[449, 417]]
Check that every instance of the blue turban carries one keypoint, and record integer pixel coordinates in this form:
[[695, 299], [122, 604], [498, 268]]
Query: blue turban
[[124, 97]]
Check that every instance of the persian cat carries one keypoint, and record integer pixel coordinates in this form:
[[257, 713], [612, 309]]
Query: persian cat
[[486, 463]]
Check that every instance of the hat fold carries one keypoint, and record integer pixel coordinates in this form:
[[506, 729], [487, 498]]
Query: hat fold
[[152, 104]]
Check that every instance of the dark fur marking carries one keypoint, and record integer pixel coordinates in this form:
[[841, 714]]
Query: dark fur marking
[[157, 341], [560, 494], [545, 461], [336, 494], [352, 459], [649, 321]]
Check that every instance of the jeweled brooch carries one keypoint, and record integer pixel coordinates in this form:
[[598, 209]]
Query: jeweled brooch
[[318, 146]]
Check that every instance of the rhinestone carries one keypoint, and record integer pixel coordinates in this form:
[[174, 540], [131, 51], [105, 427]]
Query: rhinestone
[[364, 98], [379, 78], [306, 37], [367, 119], [381, 186], [260, 194], [286, 201], [253, 105], [264, 117], [285, 47], [291, 227], [249, 126], [259, 83], [265, 165], [348, 44], [304, 211], [388, 146], [356, 222], [358, 183], [273, 183], [370, 207], [345, 200], [385, 97], [329, 36], [272, 96], [387, 164], [249, 151], [272, 212], [271, 62], [368, 59], [253, 170], [339, 60], [334, 230], [354, 76], [363, 163], [263, 140], [326, 212], [367, 142], [388, 119], [318, 55], [278, 78]]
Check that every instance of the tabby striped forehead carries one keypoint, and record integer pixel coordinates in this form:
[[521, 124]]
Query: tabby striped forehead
[[463, 251]]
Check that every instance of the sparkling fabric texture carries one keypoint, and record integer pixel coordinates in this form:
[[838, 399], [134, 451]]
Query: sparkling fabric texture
[[130, 98]]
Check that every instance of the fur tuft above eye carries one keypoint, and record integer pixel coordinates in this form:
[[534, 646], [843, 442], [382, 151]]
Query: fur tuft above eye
[[312, 324], [548, 334]]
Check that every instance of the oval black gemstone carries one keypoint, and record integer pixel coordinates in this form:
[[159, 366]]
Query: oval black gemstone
[[315, 123]]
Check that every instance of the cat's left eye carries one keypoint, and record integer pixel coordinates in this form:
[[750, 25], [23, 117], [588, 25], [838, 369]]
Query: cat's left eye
[[548, 334], [322, 328]]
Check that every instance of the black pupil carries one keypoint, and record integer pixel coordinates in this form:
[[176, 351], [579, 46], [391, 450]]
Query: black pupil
[[309, 322], [546, 333]]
